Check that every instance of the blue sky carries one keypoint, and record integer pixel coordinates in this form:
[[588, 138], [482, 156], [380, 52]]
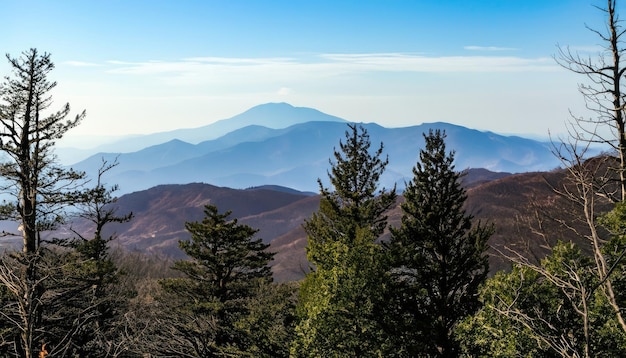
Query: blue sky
[[150, 66]]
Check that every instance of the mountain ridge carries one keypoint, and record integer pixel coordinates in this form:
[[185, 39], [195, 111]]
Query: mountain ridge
[[271, 115], [508, 200], [296, 156]]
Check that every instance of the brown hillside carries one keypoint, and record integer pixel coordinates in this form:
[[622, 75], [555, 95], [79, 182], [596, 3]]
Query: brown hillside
[[513, 203], [517, 205], [160, 214], [290, 263]]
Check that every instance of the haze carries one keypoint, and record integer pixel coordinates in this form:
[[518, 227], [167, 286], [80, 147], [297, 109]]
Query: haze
[[141, 67]]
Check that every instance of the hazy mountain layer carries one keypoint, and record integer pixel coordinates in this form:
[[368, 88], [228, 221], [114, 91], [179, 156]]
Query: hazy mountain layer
[[270, 115], [298, 154]]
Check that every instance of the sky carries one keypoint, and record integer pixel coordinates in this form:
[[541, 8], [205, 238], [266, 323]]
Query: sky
[[145, 66]]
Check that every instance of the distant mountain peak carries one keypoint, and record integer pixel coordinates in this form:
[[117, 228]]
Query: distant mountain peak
[[280, 115], [271, 105], [271, 115]]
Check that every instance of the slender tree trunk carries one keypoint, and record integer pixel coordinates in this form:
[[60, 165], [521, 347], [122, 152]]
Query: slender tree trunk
[[601, 264], [618, 106], [27, 205]]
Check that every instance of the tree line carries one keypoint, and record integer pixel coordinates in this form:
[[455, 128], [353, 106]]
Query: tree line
[[417, 290]]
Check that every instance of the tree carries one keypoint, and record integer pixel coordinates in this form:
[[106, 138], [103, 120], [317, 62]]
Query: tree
[[80, 302], [604, 95], [141, 327], [340, 299], [226, 268], [41, 187], [550, 309], [438, 255], [269, 323], [592, 184], [27, 137], [90, 299], [488, 333]]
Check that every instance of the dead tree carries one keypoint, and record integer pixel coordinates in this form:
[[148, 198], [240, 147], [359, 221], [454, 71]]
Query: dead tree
[[592, 184], [603, 92]]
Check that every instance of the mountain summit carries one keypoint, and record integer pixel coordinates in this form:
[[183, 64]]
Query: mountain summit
[[270, 115], [275, 116]]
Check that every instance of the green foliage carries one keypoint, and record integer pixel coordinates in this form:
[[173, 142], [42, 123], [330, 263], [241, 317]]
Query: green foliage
[[615, 249], [489, 333], [355, 178], [340, 305], [340, 300], [269, 324], [213, 299], [28, 131], [225, 258], [438, 257], [545, 311]]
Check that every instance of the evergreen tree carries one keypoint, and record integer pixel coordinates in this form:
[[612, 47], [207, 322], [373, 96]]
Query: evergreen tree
[[226, 269], [269, 323], [41, 187], [91, 300], [438, 256], [28, 131], [340, 299]]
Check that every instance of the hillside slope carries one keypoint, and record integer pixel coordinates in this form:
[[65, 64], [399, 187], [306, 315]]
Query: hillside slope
[[278, 213], [517, 204]]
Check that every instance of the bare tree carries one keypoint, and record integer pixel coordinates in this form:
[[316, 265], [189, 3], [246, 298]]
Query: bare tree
[[593, 182], [91, 300], [603, 93], [562, 318], [592, 185]]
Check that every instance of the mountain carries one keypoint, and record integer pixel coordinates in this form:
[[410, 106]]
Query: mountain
[[510, 201], [160, 214], [270, 115], [277, 212], [519, 206], [296, 156]]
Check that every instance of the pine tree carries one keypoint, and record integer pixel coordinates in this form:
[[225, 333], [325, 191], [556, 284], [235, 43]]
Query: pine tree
[[91, 299], [438, 256], [41, 187], [28, 131], [339, 299], [226, 268]]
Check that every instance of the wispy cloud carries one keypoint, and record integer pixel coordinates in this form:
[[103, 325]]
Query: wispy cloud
[[238, 61], [195, 63], [417, 63], [489, 48], [327, 65]]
